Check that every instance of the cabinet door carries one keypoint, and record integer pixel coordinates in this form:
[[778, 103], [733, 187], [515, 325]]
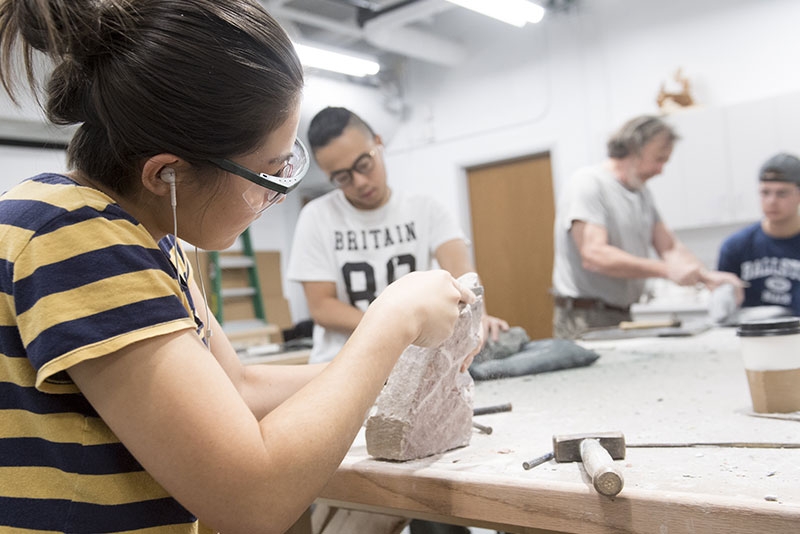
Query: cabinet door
[[788, 123], [752, 137], [693, 190]]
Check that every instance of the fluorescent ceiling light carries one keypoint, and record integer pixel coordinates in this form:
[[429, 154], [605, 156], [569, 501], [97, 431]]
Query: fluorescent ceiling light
[[336, 61], [515, 12]]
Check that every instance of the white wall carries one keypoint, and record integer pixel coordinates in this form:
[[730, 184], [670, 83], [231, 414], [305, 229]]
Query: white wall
[[19, 163]]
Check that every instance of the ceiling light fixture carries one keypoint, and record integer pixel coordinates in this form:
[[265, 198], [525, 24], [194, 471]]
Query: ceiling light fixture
[[336, 61], [515, 12]]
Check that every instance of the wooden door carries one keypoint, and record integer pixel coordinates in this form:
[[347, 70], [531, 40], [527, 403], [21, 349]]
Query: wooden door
[[513, 212]]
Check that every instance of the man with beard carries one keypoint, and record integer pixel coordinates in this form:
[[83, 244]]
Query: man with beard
[[606, 225]]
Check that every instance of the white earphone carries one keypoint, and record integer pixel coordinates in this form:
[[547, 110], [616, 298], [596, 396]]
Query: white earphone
[[168, 175]]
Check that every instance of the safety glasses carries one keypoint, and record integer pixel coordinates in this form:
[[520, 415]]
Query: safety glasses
[[269, 189]]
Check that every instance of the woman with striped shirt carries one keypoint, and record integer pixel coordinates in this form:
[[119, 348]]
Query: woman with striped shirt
[[123, 407]]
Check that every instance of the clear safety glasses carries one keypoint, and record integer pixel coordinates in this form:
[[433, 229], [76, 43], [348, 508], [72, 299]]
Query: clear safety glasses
[[267, 189]]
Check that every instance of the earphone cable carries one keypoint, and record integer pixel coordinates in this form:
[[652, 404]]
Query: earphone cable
[[207, 323], [208, 330]]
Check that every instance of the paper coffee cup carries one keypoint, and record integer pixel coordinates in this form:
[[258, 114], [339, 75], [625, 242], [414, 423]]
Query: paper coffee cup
[[771, 354]]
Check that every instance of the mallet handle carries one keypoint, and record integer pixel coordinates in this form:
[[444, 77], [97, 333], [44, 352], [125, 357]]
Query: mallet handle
[[606, 477]]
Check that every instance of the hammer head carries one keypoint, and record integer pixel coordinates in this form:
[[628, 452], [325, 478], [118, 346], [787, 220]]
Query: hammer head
[[567, 447]]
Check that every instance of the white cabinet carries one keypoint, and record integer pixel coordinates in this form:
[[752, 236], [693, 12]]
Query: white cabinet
[[752, 136], [690, 191], [712, 177], [787, 122]]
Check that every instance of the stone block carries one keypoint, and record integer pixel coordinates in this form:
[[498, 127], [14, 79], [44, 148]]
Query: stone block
[[425, 407]]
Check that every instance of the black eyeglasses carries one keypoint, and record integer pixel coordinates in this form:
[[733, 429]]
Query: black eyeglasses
[[288, 177], [363, 165]]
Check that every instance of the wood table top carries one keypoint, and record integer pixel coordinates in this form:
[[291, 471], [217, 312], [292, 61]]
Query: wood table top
[[654, 390]]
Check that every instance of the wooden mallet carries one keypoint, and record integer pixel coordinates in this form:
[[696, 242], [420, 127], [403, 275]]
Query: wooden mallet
[[597, 452]]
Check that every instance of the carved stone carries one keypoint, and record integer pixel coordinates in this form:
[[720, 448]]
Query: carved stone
[[425, 407]]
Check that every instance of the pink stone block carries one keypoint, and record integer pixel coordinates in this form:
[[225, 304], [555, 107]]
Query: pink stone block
[[425, 407]]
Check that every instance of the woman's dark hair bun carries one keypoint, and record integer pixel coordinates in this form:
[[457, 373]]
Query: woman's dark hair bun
[[76, 34], [60, 28], [69, 89]]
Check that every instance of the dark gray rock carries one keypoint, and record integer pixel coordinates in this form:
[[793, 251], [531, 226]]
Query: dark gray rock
[[508, 343], [536, 357]]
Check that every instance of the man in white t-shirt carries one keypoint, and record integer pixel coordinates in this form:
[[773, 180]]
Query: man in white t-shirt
[[351, 243], [606, 226]]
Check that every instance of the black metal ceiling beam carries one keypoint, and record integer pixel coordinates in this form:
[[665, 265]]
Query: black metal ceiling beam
[[33, 143], [364, 15]]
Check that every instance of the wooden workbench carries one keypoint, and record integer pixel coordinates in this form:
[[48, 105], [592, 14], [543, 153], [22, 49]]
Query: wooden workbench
[[291, 357], [654, 390]]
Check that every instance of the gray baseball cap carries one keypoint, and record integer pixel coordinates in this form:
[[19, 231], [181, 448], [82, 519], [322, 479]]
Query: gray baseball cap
[[781, 167]]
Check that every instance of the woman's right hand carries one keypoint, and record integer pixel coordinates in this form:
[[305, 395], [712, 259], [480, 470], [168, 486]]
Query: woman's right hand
[[426, 302]]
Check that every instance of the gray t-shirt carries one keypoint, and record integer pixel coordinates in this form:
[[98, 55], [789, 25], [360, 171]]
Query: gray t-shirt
[[594, 195]]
